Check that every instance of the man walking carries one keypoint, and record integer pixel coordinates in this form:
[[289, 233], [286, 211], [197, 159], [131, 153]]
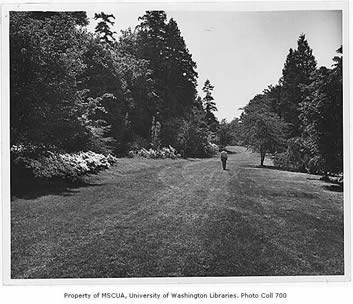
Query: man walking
[[224, 157]]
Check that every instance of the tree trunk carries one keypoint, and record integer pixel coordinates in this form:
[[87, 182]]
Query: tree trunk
[[263, 153]]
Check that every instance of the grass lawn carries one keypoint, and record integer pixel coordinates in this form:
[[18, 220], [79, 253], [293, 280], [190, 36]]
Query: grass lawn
[[149, 218]]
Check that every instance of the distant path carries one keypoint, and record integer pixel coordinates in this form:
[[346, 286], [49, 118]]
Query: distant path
[[182, 218]]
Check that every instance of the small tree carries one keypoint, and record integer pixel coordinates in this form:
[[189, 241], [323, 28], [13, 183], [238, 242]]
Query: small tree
[[262, 131]]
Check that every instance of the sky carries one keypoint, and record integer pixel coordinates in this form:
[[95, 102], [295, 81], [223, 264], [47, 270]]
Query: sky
[[242, 53]]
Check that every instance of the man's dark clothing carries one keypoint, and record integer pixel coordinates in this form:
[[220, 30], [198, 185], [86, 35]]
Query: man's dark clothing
[[224, 157]]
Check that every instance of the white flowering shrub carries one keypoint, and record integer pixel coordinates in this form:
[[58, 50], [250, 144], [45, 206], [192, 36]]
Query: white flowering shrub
[[211, 149], [165, 152], [67, 166]]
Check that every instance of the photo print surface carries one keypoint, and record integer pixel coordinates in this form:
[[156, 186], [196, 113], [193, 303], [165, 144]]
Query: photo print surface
[[176, 143]]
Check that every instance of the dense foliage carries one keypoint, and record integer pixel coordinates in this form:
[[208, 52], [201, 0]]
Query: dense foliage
[[299, 120], [322, 116], [74, 91], [298, 68], [47, 105]]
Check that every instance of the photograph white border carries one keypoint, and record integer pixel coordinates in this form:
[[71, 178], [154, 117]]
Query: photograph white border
[[199, 6]]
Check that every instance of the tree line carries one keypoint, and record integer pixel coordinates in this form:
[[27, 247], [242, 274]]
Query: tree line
[[300, 119], [73, 90]]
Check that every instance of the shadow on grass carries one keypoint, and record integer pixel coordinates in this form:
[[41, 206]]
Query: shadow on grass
[[31, 188], [311, 178], [265, 167], [332, 185], [334, 188]]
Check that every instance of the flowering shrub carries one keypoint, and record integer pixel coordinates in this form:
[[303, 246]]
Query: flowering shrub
[[65, 166], [211, 149], [164, 152]]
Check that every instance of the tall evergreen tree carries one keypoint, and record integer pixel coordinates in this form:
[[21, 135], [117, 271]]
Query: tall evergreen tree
[[299, 66], [209, 106], [322, 116], [103, 27], [180, 72], [173, 70], [151, 41]]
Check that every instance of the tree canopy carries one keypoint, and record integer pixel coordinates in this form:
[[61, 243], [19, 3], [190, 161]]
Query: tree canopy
[[322, 116], [297, 71], [103, 26], [73, 90], [300, 119], [262, 130]]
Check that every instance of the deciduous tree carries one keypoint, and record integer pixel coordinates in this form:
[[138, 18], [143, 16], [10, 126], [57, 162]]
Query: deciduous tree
[[262, 130]]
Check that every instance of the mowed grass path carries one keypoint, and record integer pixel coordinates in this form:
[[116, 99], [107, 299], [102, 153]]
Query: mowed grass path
[[149, 218]]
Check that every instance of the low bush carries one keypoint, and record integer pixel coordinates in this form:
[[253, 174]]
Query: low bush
[[165, 152], [63, 166], [295, 158], [315, 165], [336, 179], [138, 143], [282, 161], [169, 152]]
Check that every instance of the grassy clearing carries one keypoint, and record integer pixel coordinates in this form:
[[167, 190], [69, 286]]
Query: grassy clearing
[[147, 218]]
